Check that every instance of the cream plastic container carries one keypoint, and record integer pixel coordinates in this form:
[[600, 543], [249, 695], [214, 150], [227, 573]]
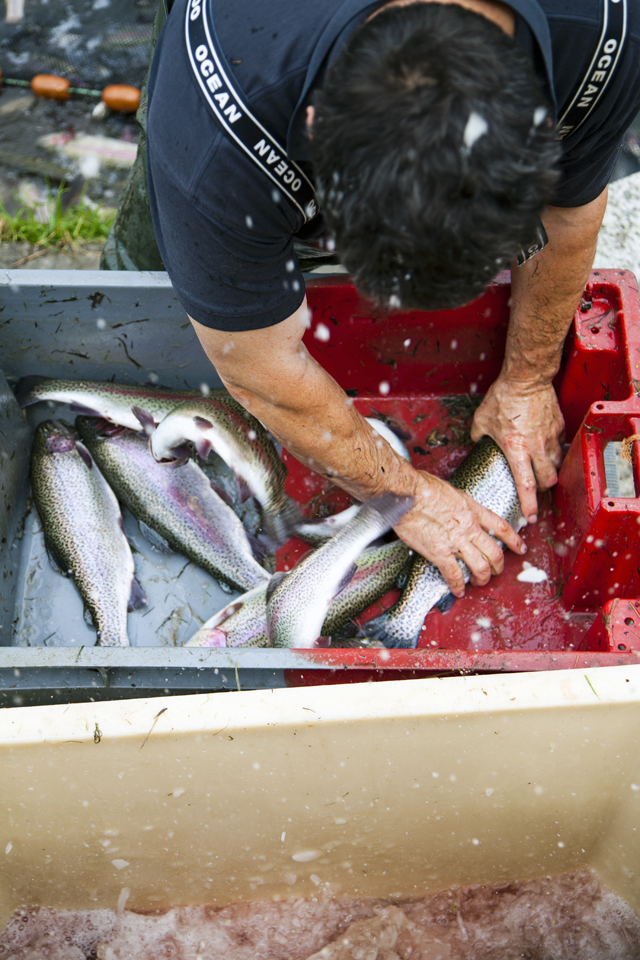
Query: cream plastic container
[[386, 789]]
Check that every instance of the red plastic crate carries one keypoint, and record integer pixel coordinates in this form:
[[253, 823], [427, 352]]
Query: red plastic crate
[[422, 370]]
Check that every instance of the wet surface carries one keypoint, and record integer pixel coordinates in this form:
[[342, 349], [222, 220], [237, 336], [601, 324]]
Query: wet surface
[[508, 614], [181, 596], [566, 917]]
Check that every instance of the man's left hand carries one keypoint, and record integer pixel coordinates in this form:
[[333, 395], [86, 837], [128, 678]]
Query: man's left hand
[[526, 423]]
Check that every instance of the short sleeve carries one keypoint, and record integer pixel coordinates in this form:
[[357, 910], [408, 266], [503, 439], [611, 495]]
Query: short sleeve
[[584, 177], [227, 275]]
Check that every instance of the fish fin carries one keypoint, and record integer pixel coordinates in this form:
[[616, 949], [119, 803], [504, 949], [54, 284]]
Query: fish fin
[[225, 587], [202, 423], [137, 597], [378, 629], [275, 582], [224, 495], [182, 454], [323, 642], [390, 507], [87, 617], [244, 490], [55, 559], [258, 548], [445, 604], [84, 410], [279, 526], [145, 419], [203, 447], [213, 637], [84, 454], [347, 578], [157, 541], [24, 388]]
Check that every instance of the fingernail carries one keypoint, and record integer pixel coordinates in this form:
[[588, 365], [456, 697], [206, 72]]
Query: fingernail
[[533, 518], [523, 548]]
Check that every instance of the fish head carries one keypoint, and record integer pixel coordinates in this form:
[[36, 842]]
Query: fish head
[[55, 436], [97, 428], [174, 437]]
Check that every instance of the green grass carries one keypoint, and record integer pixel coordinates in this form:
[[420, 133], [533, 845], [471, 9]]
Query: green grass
[[78, 224]]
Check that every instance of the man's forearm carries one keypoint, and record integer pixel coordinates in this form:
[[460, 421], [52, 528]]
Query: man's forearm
[[271, 373], [315, 421], [546, 292]]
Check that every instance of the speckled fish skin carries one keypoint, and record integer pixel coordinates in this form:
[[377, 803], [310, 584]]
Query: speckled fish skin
[[179, 504], [224, 426], [486, 476], [377, 571], [113, 401], [83, 529], [243, 622], [299, 603]]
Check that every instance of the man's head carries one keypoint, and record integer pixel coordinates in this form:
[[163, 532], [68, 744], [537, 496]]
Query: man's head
[[433, 154]]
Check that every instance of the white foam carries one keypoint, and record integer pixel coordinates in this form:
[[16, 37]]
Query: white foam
[[566, 917], [532, 574]]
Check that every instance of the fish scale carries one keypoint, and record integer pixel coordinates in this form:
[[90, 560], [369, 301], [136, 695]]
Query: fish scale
[[299, 602], [240, 439], [83, 529], [113, 401], [243, 622], [178, 503], [486, 476]]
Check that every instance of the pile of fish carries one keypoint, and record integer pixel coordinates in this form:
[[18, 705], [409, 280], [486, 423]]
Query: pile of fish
[[133, 446]]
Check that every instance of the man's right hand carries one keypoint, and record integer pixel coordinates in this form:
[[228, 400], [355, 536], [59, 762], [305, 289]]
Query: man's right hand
[[446, 525]]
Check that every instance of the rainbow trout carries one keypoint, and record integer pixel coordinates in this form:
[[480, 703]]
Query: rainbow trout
[[224, 426], [178, 504], [243, 622], [486, 476], [83, 529], [112, 401], [298, 602]]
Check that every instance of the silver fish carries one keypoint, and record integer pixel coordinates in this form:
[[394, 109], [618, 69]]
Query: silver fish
[[392, 438], [178, 504], [113, 401], [299, 601], [83, 529], [317, 532], [243, 622], [224, 426], [486, 476]]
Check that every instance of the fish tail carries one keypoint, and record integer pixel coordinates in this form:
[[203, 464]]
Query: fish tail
[[387, 509], [26, 390], [381, 629], [279, 525]]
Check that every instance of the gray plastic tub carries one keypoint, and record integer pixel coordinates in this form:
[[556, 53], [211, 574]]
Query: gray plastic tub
[[127, 327]]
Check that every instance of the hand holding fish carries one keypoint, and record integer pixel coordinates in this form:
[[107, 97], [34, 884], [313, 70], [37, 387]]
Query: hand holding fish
[[525, 421], [447, 525]]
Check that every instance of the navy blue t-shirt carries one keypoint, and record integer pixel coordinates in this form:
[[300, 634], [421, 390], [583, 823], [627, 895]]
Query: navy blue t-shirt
[[224, 233]]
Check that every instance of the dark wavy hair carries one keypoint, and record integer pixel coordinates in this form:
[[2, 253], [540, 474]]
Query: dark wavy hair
[[433, 154]]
